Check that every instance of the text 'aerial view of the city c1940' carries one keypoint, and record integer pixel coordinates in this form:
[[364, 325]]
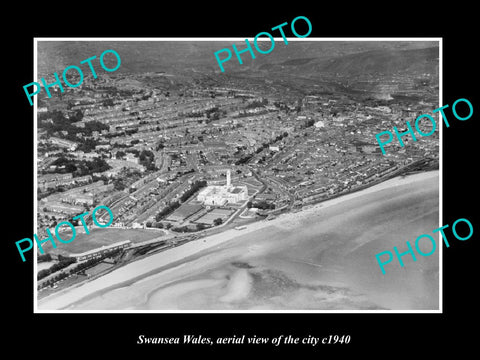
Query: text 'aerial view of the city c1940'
[[259, 188]]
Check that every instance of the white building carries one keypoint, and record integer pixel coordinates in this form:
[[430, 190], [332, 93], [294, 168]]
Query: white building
[[221, 195], [319, 124]]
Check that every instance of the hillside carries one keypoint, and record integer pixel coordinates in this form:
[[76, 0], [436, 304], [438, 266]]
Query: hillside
[[384, 62], [361, 68], [308, 57]]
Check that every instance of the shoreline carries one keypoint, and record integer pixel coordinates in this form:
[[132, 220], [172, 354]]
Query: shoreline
[[145, 267], [384, 185]]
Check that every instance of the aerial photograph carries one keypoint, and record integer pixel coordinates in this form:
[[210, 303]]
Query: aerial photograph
[[260, 188]]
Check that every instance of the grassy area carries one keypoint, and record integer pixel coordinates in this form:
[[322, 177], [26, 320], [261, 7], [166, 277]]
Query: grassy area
[[100, 267], [100, 237]]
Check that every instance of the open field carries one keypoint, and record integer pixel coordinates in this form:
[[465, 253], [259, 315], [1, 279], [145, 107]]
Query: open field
[[100, 237], [215, 214]]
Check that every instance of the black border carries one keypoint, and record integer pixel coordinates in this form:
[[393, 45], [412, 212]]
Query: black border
[[117, 333]]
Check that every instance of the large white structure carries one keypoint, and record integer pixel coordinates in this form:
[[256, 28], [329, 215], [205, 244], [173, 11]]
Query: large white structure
[[221, 195], [95, 253]]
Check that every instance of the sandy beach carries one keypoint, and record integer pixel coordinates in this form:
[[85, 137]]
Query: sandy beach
[[321, 258]]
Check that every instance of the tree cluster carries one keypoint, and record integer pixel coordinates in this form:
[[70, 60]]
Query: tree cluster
[[61, 123], [197, 185], [118, 184], [147, 159], [264, 205], [120, 154], [94, 125], [87, 145], [244, 159], [63, 263], [183, 229], [167, 210], [81, 167]]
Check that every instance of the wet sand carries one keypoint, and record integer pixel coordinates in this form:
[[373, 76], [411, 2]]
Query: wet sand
[[322, 258]]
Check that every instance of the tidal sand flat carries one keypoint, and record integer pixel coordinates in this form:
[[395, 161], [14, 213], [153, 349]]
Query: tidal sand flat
[[319, 259]]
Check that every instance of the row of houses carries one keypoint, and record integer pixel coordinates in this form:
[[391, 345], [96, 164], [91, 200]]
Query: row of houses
[[51, 181]]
